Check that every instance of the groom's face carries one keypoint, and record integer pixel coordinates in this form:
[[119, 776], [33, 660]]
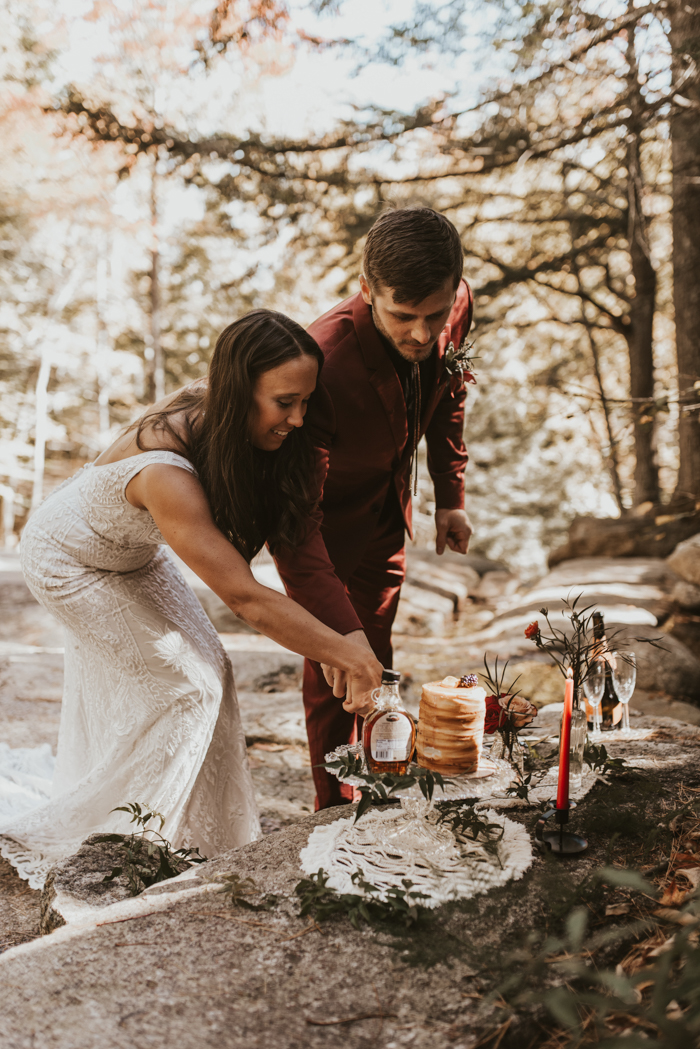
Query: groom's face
[[412, 330]]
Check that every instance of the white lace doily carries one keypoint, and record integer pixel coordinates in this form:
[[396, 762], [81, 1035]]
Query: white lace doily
[[391, 845], [491, 777]]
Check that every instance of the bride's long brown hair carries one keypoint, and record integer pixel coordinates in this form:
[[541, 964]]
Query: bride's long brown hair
[[255, 496]]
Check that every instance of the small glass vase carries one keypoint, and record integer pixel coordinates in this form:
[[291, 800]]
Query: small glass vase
[[514, 756], [577, 742]]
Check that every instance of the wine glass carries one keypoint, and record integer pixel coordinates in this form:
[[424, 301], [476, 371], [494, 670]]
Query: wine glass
[[594, 686], [624, 675]]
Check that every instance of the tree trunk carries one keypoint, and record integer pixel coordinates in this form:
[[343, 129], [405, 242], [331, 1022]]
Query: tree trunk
[[41, 425], [612, 458], [685, 155], [640, 338], [158, 363], [155, 371], [101, 353]]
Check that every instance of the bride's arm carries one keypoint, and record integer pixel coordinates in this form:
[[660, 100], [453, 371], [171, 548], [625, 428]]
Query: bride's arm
[[176, 501]]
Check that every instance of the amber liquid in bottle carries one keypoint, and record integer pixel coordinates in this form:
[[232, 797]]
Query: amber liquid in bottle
[[389, 732]]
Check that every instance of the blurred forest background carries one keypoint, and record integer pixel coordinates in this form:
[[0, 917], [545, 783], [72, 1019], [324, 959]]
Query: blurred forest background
[[168, 165]]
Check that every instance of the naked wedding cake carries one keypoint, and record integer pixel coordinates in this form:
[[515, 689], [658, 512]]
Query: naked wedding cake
[[451, 725]]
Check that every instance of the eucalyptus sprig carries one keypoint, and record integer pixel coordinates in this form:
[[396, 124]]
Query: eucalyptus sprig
[[381, 787], [374, 907]]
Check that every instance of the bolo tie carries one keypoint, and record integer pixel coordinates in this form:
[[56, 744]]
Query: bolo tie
[[416, 399]]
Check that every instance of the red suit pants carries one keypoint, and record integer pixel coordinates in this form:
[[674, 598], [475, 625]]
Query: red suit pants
[[373, 586]]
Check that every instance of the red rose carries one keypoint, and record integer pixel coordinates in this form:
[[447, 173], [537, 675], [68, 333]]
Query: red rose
[[495, 715], [532, 631]]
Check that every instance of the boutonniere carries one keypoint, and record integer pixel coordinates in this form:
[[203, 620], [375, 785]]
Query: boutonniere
[[460, 362]]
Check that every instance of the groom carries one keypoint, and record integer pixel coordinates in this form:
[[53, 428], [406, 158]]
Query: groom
[[386, 382]]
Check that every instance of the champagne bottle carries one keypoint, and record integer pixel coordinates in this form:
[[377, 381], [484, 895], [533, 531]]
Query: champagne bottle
[[611, 708]]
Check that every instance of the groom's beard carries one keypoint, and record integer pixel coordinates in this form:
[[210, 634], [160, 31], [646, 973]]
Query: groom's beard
[[415, 354]]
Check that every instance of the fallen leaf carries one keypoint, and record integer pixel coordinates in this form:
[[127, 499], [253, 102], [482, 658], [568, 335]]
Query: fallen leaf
[[673, 915], [692, 874], [673, 895], [685, 859], [617, 908], [662, 948]]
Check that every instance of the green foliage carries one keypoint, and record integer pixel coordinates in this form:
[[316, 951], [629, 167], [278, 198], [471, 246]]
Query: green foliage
[[573, 974], [659, 1005], [468, 825], [375, 907], [521, 789], [596, 757], [380, 788], [239, 890], [148, 857]]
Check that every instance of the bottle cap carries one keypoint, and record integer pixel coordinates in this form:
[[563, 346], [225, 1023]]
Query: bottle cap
[[390, 677]]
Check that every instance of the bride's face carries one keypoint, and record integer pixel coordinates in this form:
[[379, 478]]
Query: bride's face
[[280, 398]]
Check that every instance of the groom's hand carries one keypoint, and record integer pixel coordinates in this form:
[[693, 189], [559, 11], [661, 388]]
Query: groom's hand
[[454, 529], [338, 679]]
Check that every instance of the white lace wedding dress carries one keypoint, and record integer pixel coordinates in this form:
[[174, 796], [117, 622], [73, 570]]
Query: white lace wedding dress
[[149, 705]]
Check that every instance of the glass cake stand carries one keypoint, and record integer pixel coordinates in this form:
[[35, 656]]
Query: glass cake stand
[[412, 849], [491, 777]]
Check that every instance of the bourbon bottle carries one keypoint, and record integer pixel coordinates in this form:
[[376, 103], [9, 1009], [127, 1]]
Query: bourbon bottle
[[389, 733]]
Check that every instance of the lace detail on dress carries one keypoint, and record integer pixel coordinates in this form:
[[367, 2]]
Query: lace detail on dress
[[149, 706]]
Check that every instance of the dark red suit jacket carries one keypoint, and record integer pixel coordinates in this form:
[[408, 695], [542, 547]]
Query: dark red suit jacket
[[358, 423]]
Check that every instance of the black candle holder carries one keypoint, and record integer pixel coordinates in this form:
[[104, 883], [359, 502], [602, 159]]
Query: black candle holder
[[565, 842]]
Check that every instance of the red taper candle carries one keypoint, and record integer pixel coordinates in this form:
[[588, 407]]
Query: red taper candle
[[565, 742]]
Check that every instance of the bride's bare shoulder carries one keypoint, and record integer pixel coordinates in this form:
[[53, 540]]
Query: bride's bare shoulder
[[162, 426]]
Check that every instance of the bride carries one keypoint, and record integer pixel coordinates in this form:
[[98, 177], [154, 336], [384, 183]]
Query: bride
[[149, 709]]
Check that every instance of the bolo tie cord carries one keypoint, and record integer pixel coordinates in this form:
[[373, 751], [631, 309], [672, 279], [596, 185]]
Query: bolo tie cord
[[415, 378]]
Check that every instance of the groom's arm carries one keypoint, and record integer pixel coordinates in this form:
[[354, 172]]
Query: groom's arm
[[306, 571], [447, 453]]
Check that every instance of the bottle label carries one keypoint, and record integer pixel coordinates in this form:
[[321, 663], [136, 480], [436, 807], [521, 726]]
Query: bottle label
[[391, 737], [616, 713]]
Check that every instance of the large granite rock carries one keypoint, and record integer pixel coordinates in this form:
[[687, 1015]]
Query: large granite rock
[[685, 560], [651, 534], [77, 886], [668, 667], [180, 965]]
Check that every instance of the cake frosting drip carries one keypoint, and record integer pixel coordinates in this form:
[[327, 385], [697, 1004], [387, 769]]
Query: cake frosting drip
[[450, 726]]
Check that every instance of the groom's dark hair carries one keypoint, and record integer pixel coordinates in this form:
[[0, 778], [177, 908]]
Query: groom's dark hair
[[413, 251]]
